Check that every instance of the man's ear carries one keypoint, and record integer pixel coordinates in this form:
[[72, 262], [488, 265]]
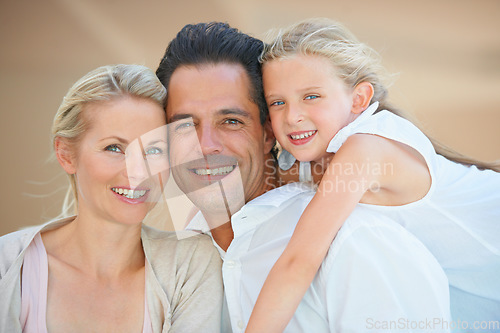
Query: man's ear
[[65, 155], [269, 139], [361, 97]]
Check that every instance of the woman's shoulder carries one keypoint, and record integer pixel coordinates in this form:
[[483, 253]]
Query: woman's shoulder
[[184, 244], [12, 245], [174, 258], [15, 241]]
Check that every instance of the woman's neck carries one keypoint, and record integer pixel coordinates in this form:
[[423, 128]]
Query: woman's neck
[[101, 248]]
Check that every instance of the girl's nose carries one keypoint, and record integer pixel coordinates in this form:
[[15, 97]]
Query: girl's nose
[[294, 114]]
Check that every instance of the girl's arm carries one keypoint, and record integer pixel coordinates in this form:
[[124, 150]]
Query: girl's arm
[[343, 185]]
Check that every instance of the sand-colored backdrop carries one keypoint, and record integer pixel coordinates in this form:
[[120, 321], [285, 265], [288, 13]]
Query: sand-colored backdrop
[[447, 54]]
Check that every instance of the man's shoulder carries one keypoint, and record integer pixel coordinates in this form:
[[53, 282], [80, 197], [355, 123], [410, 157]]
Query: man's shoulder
[[284, 194]]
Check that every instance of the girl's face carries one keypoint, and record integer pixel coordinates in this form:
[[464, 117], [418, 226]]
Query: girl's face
[[120, 163], [308, 104]]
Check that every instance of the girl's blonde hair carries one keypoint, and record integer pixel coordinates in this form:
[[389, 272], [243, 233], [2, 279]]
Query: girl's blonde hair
[[102, 84], [354, 63]]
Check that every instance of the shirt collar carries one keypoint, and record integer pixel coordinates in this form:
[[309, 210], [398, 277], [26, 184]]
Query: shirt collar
[[274, 198], [278, 196]]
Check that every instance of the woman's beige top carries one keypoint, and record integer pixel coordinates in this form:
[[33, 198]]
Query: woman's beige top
[[183, 287]]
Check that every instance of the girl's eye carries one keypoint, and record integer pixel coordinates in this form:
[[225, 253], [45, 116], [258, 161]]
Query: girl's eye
[[114, 148], [311, 97], [277, 103]]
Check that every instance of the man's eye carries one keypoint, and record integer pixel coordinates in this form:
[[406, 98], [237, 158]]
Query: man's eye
[[311, 97], [277, 103], [232, 121], [114, 148]]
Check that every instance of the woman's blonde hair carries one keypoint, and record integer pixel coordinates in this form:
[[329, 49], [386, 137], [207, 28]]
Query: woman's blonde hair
[[354, 63], [102, 84]]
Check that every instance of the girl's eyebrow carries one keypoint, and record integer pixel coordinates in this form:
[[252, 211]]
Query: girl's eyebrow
[[301, 90], [270, 95], [308, 88]]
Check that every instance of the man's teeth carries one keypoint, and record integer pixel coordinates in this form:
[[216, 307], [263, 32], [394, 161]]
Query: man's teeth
[[131, 194], [303, 135], [214, 172]]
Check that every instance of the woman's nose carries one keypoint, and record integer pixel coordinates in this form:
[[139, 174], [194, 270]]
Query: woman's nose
[[137, 168]]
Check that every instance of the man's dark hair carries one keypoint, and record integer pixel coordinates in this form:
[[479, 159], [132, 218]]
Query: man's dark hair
[[215, 43]]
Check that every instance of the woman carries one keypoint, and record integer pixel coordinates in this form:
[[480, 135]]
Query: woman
[[103, 270]]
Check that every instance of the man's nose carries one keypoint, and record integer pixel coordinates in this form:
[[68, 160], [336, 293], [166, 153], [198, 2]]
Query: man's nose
[[210, 140]]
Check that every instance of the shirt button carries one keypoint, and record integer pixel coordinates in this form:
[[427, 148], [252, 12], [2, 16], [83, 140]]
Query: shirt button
[[230, 264], [241, 324]]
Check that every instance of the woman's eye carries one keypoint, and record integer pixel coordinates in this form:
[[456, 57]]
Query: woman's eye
[[183, 125], [153, 151], [311, 97], [113, 148], [277, 103]]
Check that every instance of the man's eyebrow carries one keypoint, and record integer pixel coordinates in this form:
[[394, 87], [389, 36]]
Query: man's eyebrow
[[179, 116], [235, 111]]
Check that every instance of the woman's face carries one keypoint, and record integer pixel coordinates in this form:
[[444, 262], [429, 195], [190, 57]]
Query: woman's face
[[120, 163]]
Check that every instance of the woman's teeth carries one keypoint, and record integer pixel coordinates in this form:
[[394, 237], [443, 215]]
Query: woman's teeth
[[302, 136], [214, 172], [131, 194]]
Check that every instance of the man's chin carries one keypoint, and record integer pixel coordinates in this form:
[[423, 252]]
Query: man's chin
[[218, 195]]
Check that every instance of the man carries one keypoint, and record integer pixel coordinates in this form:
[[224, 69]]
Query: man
[[375, 276]]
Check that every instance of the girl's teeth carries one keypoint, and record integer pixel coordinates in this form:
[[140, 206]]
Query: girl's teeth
[[303, 135]]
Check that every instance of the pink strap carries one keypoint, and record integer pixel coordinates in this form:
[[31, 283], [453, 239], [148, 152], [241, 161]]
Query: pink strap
[[34, 285], [34, 288]]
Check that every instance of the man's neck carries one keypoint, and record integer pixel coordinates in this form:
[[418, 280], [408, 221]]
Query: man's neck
[[223, 235]]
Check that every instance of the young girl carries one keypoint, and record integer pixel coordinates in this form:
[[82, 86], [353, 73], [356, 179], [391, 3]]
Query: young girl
[[328, 106]]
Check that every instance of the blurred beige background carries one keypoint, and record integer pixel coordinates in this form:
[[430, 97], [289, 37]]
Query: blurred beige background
[[447, 54]]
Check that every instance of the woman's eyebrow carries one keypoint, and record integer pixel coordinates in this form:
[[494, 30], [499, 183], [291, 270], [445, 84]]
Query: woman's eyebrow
[[122, 140]]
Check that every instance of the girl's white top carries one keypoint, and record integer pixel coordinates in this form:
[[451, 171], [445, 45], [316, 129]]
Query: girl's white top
[[458, 219]]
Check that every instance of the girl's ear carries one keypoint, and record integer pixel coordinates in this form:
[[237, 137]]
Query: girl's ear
[[269, 138], [64, 155], [361, 97]]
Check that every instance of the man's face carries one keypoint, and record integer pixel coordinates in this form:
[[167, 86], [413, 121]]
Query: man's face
[[218, 147]]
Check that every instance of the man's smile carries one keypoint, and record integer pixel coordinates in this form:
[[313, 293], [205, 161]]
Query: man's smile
[[213, 171]]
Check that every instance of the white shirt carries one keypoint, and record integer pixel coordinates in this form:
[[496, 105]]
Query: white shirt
[[375, 275]]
